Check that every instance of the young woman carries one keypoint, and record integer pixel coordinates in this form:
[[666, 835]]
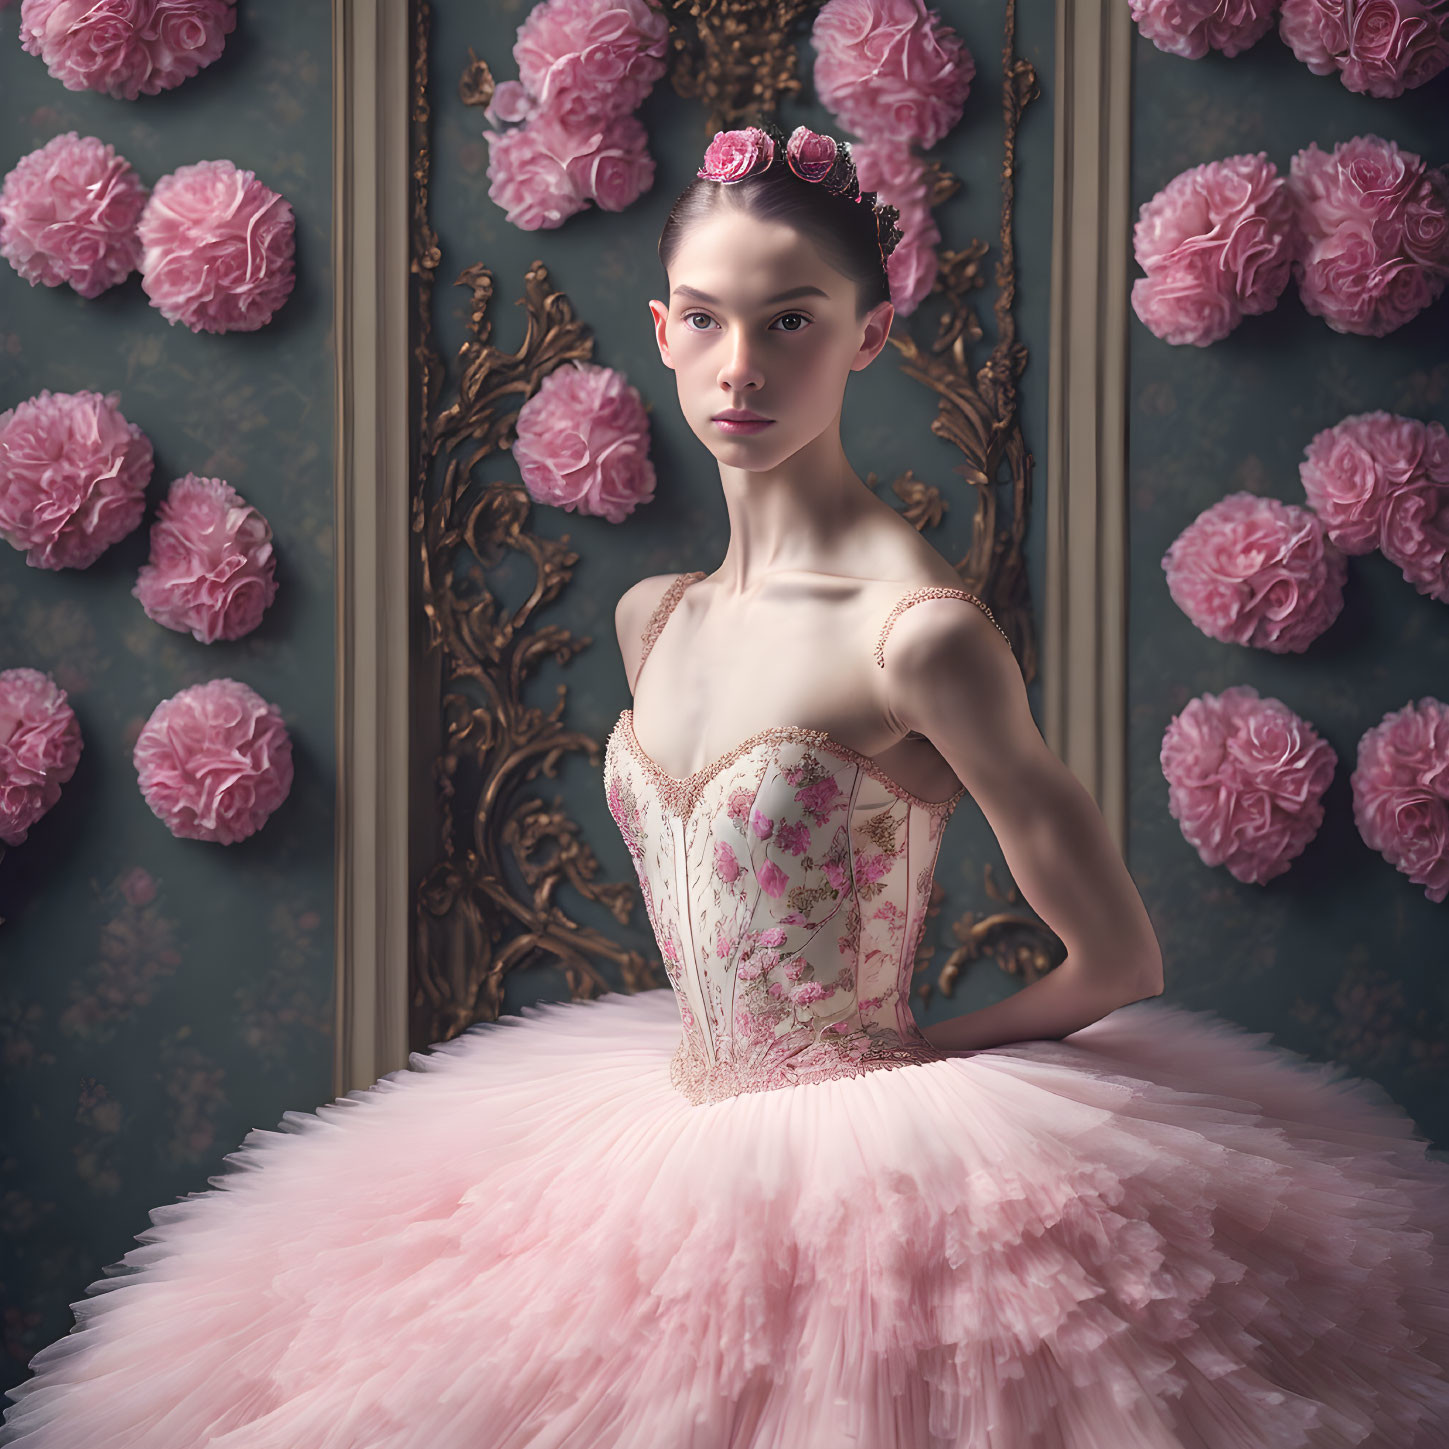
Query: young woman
[[764, 1209]]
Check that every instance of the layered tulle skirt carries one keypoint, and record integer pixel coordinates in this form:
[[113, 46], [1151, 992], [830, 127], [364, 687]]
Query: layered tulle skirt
[[1160, 1232]]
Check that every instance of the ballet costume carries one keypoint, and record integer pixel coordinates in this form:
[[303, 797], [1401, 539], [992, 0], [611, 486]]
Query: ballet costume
[[760, 1210]]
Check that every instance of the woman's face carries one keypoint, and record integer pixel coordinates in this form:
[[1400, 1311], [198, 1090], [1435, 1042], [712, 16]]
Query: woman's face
[[786, 358]]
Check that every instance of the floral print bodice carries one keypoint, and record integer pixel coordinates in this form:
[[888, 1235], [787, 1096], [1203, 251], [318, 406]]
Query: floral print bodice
[[786, 884]]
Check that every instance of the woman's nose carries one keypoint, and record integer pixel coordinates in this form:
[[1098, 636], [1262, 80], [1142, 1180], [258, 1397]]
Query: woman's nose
[[740, 369]]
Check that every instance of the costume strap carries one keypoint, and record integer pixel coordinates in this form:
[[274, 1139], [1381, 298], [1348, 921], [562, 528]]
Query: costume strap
[[662, 610], [915, 596]]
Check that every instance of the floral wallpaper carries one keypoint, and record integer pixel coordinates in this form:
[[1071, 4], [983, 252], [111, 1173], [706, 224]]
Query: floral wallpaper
[[1340, 957], [160, 997]]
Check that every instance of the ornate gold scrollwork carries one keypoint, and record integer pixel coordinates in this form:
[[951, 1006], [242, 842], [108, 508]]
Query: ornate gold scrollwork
[[488, 904]]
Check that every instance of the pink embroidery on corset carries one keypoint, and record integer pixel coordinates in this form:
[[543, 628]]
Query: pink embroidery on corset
[[914, 597]]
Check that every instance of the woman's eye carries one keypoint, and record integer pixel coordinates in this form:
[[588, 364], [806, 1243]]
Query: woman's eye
[[708, 318]]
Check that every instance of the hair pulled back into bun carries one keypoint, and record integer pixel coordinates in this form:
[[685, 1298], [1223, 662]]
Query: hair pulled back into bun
[[851, 229]]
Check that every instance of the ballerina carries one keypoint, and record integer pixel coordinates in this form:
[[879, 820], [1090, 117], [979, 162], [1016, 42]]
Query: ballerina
[[762, 1208]]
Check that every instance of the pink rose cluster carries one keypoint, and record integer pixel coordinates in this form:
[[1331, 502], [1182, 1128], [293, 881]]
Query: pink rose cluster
[[1380, 48], [1217, 244], [40, 746], [890, 70], [73, 476], [124, 47], [1401, 793], [214, 761], [1246, 776], [1365, 232], [1378, 480], [584, 66], [1375, 221], [1259, 572], [582, 443], [215, 246]]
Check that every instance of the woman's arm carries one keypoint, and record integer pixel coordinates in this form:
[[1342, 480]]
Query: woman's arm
[[950, 675]]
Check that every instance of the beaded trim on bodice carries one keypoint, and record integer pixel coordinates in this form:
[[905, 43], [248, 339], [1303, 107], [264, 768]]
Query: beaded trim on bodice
[[915, 596]]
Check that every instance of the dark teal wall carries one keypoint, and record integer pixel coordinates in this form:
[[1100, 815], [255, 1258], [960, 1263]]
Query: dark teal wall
[[141, 1040], [1341, 957]]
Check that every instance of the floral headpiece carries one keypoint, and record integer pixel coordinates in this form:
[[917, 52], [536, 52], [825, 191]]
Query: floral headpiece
[[733, 155]]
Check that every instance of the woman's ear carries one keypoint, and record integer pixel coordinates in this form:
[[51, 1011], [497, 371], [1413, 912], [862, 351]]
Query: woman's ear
[[877, 329], [660, 311]]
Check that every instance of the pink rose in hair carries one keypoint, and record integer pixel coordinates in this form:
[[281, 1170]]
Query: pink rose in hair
[[733, 155]]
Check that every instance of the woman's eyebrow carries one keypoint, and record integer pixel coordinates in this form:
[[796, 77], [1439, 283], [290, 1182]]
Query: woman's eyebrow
[[779, 297]]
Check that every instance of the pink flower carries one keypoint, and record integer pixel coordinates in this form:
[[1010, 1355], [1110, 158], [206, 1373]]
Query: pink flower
[[68, 214], [835, 873], [869, 868], [737, 805], [1217, 244], [1190, 28], [588, 61], [1255, 571], [1245, 779], [762, 825], [1378, 480], [772, 937], [812, 155], [733, 155], [725, 862], [73, 475], [40, 746], [218, 248], [794, 838], [898, 177], [211, 570], [1387, 48], [821, 799], [809, 991], [214, 761], [125, 47], [890, 70], [583, 441], [1375, 223], [773, 881], [612, 167], [1401, 792]]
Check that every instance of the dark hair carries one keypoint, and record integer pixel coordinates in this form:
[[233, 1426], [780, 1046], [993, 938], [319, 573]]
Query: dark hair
[[849, 234]]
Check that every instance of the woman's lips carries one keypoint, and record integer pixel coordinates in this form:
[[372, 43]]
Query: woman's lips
[[740, 425]]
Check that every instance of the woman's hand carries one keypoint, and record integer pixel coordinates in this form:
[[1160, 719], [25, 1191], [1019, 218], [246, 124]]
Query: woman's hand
[[950, 675]]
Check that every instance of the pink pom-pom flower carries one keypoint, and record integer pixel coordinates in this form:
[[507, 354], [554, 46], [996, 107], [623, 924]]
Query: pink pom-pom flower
[[125, 47], [586, 61], [73, 475], [898, 177], [1401, 793], [211, 571], [218, 248], [583, 443], [1245, 780], [68, 213], [1190, 28], [214, 761], [1378, 480], [1257, 571], [1375, 223], [40, 745], [1381, 48], [543, 172], [890, 70], [1217, 244]]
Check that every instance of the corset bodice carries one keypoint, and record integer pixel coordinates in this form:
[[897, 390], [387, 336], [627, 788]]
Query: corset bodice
[[787, 886]]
